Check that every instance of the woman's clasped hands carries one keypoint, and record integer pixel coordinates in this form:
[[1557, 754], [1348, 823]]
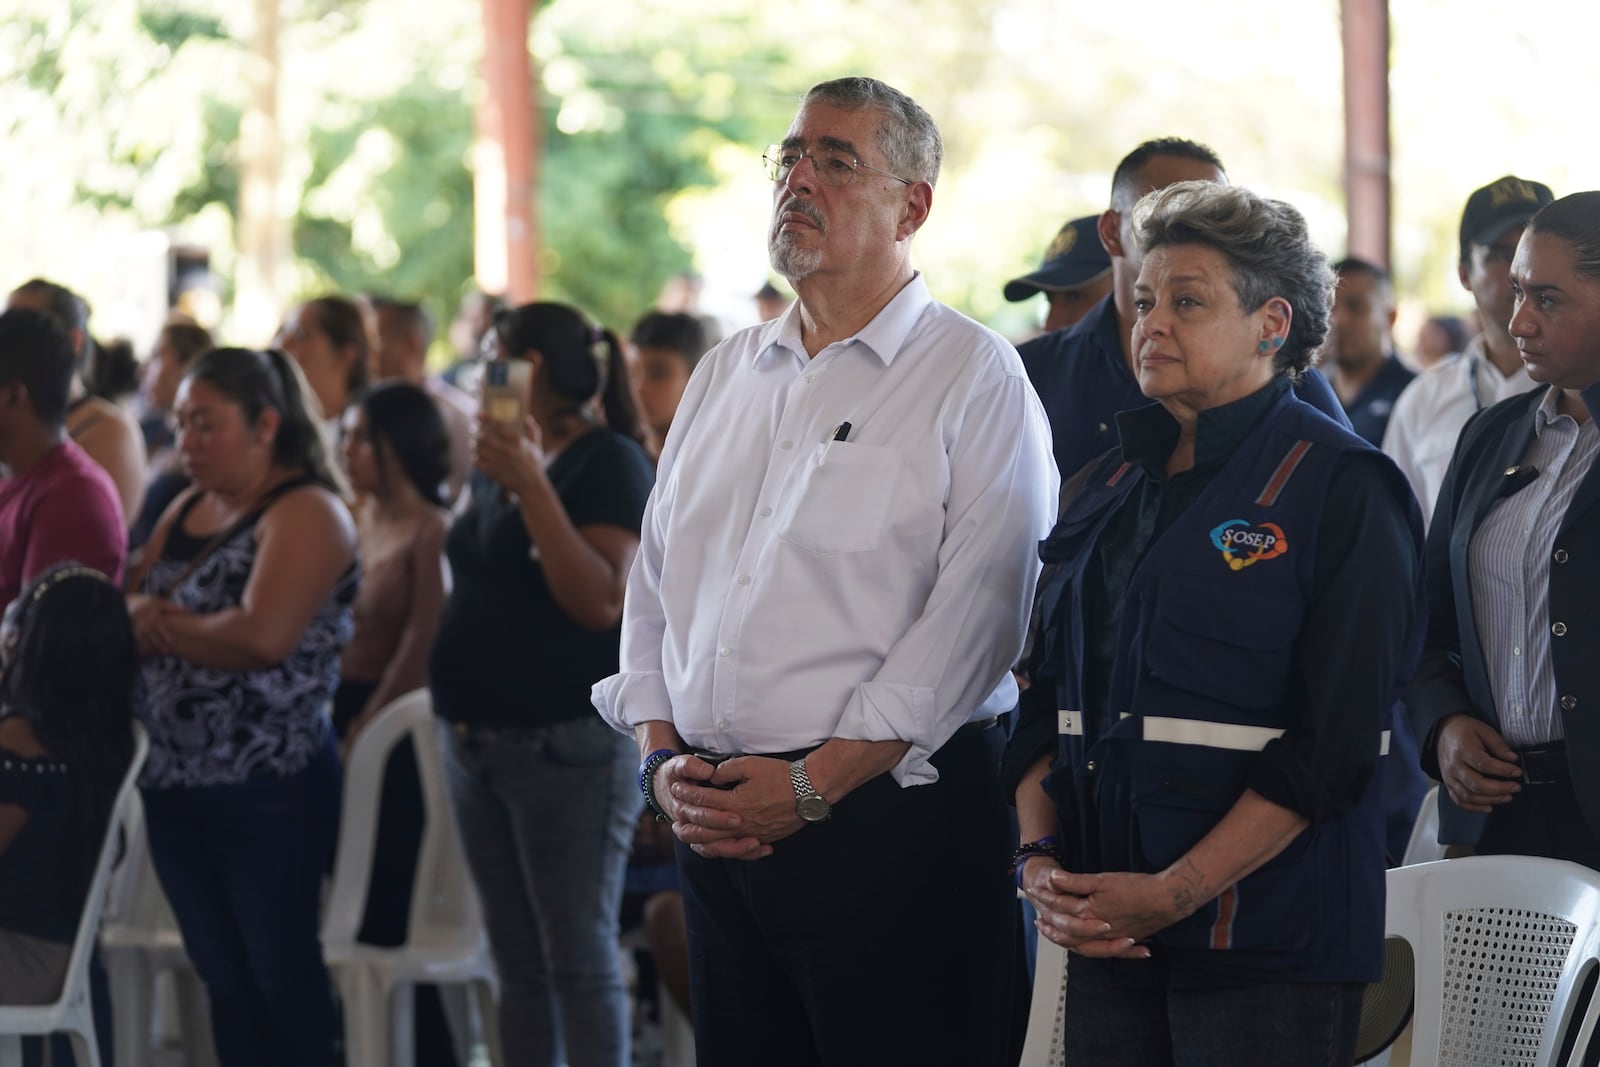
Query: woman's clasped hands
[[151, 623], [1106, 915]]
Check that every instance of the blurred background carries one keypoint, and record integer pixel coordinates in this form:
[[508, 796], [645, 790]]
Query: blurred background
[[227, 157]]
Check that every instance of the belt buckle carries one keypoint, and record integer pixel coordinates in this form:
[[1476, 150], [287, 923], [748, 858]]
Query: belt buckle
[[1540, 753]]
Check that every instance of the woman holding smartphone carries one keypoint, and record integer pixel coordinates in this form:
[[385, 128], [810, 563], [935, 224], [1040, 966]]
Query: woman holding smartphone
[[544, 789]]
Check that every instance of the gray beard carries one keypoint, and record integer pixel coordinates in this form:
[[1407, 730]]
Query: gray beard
[[792, 261]]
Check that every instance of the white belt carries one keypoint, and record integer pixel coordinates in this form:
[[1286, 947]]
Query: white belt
[[1172, 731]]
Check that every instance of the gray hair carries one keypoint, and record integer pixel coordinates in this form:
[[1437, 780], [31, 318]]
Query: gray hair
[[1267, 248], [907, 135]]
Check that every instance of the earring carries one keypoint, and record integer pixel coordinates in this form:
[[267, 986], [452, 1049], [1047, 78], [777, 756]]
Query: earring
[[1263, 348], [1277, 342]]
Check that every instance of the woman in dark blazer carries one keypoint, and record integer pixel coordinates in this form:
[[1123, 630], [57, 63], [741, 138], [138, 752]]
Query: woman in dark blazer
[[1509, 687]]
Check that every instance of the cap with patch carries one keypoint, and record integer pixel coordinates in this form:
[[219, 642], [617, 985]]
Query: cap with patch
[[1509, 201], [1076, 257]]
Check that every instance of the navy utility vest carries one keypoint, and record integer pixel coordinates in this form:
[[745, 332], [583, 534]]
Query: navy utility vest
[[1204, 680]]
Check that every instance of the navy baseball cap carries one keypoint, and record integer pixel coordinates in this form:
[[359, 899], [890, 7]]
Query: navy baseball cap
[[1498, 205], [1076, 257]]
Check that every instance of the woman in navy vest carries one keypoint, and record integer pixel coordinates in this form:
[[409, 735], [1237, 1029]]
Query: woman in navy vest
[[1231, 605], [1509, 683]]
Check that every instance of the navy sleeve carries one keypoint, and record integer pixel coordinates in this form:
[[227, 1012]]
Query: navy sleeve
[[1357, 643]]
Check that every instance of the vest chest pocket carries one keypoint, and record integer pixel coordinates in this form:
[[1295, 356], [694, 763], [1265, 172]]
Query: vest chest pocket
[[1233, 646], [844, 497]]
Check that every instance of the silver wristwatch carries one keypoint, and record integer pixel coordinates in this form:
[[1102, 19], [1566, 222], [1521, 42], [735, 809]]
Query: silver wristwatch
[[808, 803]]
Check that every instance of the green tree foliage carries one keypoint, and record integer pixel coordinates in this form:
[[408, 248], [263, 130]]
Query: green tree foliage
[[410, 234]]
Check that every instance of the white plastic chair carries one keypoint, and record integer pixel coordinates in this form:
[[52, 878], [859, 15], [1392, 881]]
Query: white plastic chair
[[445, 940], [1424, 845], [1501, 945], [1044, 1045], [139, 941], [677, 1030], [72, 1013]]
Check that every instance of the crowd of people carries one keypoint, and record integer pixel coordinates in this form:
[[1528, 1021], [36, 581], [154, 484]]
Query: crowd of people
[[868, 617]]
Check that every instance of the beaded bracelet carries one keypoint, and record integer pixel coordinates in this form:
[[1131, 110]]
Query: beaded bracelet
[[647, 779], [1045, 846]]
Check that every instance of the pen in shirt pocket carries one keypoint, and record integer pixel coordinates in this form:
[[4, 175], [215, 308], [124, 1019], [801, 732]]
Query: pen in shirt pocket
[[840, 433]]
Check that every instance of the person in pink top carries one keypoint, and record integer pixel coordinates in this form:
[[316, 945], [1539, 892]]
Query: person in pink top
[[56, 503]]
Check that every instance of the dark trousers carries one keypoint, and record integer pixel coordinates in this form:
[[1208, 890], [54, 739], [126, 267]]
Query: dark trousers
[[243, 867], [1543, 819], [881, 936], [1111, 1025], [396, 845]]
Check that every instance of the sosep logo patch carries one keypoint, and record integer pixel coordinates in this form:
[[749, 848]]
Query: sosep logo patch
[[1242, 544]]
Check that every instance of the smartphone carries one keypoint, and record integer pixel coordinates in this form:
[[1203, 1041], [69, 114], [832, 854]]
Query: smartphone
[[505, 385]]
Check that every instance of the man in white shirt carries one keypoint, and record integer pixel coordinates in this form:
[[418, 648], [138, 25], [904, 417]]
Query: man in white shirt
[[1427, 419], [832, 583]]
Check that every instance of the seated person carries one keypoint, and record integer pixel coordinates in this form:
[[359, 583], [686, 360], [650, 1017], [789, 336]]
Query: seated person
[[66, 737], [396, 453], [56, 504]]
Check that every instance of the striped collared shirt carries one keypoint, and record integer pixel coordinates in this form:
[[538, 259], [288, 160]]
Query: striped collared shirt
[[1511, 575]]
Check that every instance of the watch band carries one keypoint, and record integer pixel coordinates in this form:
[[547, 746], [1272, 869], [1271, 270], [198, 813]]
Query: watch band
[[647, 779], [809, 804]]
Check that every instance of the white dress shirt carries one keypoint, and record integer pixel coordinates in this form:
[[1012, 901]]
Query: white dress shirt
[[1429, 415], [1510, 561], [791, 588]]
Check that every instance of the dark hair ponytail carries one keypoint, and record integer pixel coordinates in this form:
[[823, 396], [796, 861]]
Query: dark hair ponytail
[[257, 381], [580, 361], [616, 399]]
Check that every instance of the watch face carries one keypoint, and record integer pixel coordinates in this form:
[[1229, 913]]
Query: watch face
[[813, 808]]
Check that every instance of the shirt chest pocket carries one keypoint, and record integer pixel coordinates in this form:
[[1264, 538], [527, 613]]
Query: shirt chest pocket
[[843, 498]]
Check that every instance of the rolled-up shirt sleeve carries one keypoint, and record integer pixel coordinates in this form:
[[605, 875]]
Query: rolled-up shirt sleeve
[[959, 652], [1356, 646], [638, 691]]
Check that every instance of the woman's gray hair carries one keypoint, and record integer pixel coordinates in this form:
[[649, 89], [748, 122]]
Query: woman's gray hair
[[1267, 248], [907, 135]]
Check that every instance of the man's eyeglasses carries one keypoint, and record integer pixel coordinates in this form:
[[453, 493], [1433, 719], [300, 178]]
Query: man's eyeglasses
[[834, 166]]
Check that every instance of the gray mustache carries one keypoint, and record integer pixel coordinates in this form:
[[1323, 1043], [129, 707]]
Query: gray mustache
[[806, 208]]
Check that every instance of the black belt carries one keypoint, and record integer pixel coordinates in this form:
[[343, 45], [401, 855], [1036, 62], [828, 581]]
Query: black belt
[[967, 729], [1544, 764]]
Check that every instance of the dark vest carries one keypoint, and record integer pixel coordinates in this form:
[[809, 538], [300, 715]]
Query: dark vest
[[1206, 679]]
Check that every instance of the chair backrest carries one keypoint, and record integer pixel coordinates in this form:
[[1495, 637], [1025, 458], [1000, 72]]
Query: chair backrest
[[94, 903], [1424, 845], [135, 900], [444, 902], [1501, 945]]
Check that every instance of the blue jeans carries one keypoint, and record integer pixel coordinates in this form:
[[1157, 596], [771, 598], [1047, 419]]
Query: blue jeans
[[547, 818], [243, 867]]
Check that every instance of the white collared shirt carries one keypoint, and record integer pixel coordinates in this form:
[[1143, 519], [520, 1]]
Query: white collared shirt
[[1428, 417], [790, 588], [1510, 560]]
